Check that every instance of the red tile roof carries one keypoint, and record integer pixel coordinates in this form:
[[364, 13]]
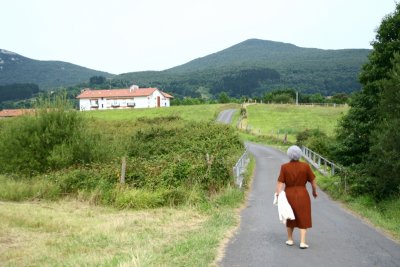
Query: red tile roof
[[167, 95], [88, 93], [15, 112]]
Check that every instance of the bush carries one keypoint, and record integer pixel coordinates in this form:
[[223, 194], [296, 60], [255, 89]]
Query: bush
[[315, 140], [169, 161], [283, 98], [55, 138], [187, 154]]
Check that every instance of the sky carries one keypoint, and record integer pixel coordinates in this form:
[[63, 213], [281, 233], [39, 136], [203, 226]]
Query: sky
[[122, 36]]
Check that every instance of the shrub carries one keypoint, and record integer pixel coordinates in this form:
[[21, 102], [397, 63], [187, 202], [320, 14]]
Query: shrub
[[283, 98], [315, 140], [56, 137], [186, 154], [170, 161]]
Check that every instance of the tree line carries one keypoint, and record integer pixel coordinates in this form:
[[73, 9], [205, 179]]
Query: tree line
[[18, 91], [367, 141], [368, 136]]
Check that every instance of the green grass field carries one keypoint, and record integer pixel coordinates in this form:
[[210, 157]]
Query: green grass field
[[73, 232], [266, 119], [195, 113]]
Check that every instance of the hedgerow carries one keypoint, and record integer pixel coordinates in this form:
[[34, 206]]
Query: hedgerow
[[169, 161]]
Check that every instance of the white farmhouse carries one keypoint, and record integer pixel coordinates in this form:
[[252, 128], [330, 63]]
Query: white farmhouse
[[133, 97]]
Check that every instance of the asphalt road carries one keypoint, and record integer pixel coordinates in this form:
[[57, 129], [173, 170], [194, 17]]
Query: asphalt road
[[226, 116], [337, 238]]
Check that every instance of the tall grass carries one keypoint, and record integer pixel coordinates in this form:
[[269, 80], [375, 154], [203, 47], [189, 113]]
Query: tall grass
[[22, 190]]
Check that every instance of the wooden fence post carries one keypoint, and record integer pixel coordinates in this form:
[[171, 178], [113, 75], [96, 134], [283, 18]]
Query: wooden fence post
[[123, 170]]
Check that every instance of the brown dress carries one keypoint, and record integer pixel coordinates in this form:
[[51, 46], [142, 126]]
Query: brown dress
[[295, 175]]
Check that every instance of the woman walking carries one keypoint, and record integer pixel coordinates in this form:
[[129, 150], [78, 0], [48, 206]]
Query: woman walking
[[294, 175]]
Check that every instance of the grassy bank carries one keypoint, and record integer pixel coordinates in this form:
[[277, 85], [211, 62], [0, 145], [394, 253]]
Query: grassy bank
[[71, 233], [176, 206], [385, 214], [76, 233]]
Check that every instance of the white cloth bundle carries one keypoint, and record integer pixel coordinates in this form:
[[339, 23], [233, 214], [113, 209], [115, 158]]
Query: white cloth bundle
[[284, 209]]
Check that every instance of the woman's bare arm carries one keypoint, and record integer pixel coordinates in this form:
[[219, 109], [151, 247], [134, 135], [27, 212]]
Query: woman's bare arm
[[279, 187], [314, 188]]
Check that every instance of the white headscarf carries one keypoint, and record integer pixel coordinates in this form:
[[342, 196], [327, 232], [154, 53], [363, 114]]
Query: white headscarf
[[294, 152]]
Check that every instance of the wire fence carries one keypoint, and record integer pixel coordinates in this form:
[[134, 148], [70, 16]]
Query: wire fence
[[240, 168]]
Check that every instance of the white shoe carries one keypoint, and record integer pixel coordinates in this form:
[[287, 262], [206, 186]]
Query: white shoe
[[289, 242], [303, 245]]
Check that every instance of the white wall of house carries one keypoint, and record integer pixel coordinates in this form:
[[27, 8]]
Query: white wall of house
[[154, 100]]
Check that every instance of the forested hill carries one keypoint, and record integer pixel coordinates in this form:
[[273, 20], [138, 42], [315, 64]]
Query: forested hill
[[256, 66], [277, 55], [47, 75]]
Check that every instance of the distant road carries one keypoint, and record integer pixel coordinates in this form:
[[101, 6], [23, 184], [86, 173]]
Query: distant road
[[226, 116], [337, 239]]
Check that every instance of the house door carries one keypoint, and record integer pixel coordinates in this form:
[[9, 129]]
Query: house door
[[158, 101]]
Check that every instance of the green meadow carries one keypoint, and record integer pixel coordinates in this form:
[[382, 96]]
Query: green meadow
[[192, 113], [278, 120], [177, 204]]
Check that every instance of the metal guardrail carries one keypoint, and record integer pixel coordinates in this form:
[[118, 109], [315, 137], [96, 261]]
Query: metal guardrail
[[320, 163], [325, 166], [240, 168]]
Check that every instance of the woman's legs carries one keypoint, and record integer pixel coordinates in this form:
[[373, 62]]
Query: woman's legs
[[303, 236], [290, 233]]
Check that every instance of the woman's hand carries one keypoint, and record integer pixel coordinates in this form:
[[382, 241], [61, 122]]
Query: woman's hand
[[314, 193]]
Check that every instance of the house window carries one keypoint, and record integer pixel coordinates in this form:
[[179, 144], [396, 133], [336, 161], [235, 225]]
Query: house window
[[94, 103], [115, 103]]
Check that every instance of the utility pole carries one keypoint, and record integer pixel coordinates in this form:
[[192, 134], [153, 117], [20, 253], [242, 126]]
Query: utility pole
[[297, 98]]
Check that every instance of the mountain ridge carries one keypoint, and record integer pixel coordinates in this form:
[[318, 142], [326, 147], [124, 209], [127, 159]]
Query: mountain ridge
[[249, 68], [270, 50], [309, 70], [47, 74]]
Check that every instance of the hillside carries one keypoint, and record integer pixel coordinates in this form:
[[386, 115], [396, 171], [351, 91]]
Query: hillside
[[256, 66], [15, 68]]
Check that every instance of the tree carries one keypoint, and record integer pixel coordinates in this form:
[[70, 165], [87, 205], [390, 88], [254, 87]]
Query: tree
[[17, 91], [340, 98], [283, 98], [384, 160], [317, 98], [280, 96], [97, 80], [354, 132], [223, 98]]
